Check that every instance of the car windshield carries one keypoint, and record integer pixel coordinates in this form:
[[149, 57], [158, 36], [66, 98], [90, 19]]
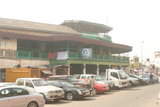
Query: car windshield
[[144, 75], [122, 75], [98, 78], [134, 76], [39, 82], [54, 83], [73, 78], [67, 84]]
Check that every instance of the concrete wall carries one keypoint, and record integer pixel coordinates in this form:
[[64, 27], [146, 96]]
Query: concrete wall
[[25, 63], [8, 43], [9, 63]]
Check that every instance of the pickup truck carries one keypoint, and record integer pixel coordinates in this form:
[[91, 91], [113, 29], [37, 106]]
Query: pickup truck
[[119, 77], [39, 85]]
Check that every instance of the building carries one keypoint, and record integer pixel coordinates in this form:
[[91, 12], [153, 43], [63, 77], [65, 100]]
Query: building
[[135, 63], [75, 46], [157, 59]]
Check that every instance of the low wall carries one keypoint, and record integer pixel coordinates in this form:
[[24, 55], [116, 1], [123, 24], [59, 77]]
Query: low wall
[[10, 63]]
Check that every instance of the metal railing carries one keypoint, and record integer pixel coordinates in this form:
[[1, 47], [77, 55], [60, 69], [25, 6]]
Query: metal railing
[[71, 55]]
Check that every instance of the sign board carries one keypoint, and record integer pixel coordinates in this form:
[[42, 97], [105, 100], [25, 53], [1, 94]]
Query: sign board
[[62, 55], [86, 53]]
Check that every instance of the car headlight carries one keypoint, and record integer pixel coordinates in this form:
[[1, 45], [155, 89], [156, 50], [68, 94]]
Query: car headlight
[[51, 92], [79, 92]]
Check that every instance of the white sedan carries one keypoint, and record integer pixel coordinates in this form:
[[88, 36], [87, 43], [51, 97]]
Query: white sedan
[[15, 96]]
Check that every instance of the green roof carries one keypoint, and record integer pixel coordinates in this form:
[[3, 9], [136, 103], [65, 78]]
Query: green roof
[[84, 26]]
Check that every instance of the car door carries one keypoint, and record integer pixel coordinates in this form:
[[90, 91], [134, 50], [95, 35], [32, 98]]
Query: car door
[[5, 96], [20, 97], [29, 85], [114, 76]]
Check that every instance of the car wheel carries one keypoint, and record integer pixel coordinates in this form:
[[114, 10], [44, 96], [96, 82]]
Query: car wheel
[[46, 101], [32, 104], [69, 96]]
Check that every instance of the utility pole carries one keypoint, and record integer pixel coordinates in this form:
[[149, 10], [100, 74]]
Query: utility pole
[[142, 55]]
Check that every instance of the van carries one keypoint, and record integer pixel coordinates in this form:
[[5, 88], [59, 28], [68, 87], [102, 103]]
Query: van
[[119, 77]]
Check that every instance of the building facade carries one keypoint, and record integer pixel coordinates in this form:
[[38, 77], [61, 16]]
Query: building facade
[[74, 47]]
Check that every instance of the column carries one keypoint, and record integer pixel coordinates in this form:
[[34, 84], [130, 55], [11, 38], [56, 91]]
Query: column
[[84, 69], [68, 70], [97, 69]]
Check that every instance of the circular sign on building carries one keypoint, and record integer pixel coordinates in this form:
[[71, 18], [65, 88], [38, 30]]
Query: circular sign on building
[[86, 53]]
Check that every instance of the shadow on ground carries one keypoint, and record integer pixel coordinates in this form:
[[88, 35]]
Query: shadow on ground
[[66, 101], [58, 102]]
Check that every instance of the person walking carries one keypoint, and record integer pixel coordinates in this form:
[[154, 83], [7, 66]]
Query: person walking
[[92, 83], [151, 78]]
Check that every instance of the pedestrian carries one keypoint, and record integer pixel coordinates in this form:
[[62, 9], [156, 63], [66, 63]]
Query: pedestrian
[[151, 78], [92, 83]]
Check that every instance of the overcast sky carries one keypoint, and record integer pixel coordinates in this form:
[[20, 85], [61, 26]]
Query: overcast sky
[[133, 21]]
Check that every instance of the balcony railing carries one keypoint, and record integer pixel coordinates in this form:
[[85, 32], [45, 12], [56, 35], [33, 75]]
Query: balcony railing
[[98, 57], [72, 55], [31, 54]]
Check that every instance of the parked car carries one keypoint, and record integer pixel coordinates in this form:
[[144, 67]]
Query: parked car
[[39, 85], [155, 78], [100, 86], [133, 81], [68, 78], [15, 96], [74, 80], [99, 79], [147, 76], [71, 91], [142, 81]]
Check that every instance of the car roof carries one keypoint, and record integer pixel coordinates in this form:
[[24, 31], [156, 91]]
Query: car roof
[[60, 76], [88, 74], [6, 83], [10, 86], [115, 70], [29, 78]]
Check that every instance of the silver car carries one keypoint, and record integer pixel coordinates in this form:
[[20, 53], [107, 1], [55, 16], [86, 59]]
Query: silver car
[[16, 96]]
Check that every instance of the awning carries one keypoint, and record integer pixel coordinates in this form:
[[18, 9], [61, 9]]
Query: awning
[[61, 66], [46, 72]]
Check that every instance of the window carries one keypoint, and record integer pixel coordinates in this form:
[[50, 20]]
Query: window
[[39, 82], [5, 93], [19, 91], [114, 74], [83, 77], [57, 84], [29, 83], [20, 82]]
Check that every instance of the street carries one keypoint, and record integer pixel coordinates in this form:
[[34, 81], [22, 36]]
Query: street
[[143, 96]]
